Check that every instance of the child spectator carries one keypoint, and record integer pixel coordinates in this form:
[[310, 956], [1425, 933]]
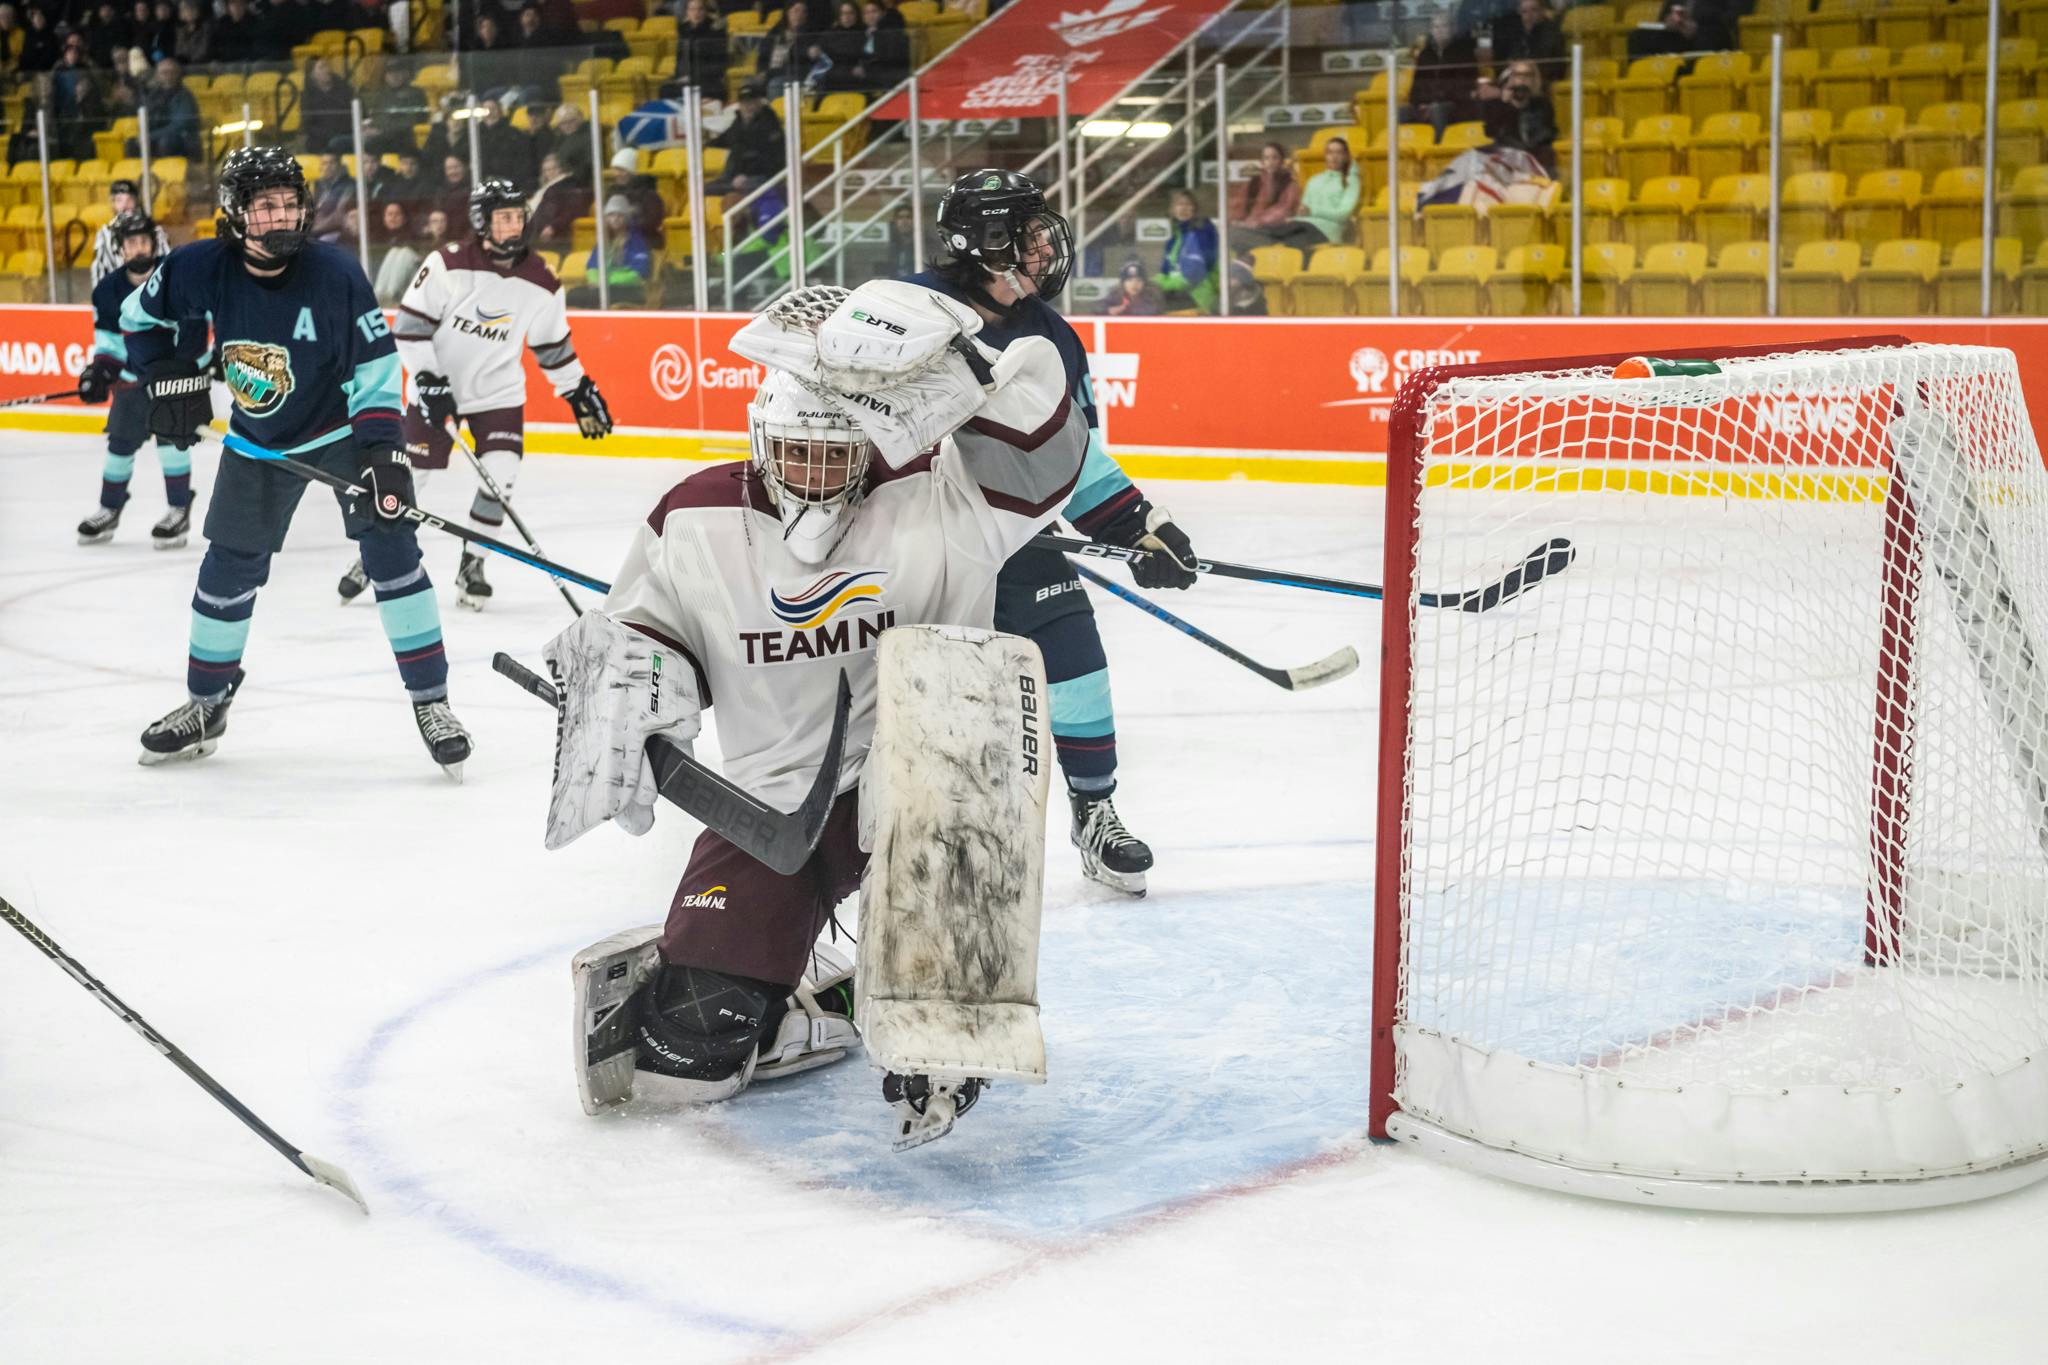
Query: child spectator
[[1136, 296], [1187, 273]]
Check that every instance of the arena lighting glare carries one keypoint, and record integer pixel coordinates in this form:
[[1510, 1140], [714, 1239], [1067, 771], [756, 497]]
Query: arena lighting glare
[[253, 125], [1112, 127]]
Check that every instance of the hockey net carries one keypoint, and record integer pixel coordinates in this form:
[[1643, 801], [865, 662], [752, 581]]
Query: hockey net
[[1714, 869]]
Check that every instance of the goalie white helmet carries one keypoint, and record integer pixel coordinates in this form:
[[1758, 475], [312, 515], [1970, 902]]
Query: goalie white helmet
[[812, 458]]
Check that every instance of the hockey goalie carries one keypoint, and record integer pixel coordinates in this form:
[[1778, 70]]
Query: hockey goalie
[[895, 466]]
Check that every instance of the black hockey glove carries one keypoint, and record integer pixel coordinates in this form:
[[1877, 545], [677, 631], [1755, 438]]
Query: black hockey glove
[[1172, 561], [387, 475], [178, 401], [593, 418], [436, 398], [96, 380]]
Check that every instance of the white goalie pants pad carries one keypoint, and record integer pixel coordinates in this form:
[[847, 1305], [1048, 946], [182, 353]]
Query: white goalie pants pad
[[953, 811]]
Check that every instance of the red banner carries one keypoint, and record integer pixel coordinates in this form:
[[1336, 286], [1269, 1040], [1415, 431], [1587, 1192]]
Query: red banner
[[1010, 66]]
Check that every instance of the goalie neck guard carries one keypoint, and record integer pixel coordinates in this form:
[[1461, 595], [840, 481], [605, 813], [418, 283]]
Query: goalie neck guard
[[995, 224], [245, 175], [812, 458]]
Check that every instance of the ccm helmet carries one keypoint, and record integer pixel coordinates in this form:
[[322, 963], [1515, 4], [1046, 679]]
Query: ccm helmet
[[996, 223], [485, 200], [247, 173]]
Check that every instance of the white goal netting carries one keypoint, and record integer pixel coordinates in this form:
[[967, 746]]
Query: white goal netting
[[1725, 851]]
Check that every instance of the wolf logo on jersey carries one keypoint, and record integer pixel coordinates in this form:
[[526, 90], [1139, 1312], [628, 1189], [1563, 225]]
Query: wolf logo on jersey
[[259, 376]]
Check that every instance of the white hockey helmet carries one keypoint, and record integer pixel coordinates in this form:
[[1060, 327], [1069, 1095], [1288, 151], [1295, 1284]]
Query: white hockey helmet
[[812, 458]]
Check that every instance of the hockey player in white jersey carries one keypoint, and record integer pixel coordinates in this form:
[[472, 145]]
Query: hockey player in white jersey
[[895, 467], [460, 326]]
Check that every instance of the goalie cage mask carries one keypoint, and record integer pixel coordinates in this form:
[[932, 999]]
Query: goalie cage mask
[[813, 460]]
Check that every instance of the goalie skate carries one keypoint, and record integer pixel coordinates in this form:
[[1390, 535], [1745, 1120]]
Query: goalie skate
[[926, 1106], [607, 975]]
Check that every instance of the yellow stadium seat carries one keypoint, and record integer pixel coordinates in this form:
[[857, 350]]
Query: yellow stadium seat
[[1807, 208], [1458, 139], [1274, 268], [1647, 89], [1653, 147], [1802, 64], [747, 22], [1369, 106], [1411, 141], [1854, 77], [2021, 124], [1369, 297], [1901, 26], [1659, 210], [1445, 226], [1953, 210], [1526, 283], [1733, 211], [2018, 58], [1818, 284], [1511, 225], [1606, 200], [1604, 276], [1897, 282], [1836, 24], [1885, 205], [1600, 75], [1715, 85], [1967, 22], [1924, 74], [2030, 18], [1723, 145], [1958, 286], [1802, 140], [1372, 219], [1663, 285], [1323, 288], [2023, 209], [1602, 139], [1755, 29], [1943, 135], [1864, 139], [1456, 288], [1737, 283]]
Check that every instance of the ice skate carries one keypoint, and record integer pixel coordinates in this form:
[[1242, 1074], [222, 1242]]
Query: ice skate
[[445, 738], [470, 588], [927, 1105], [353, 583], [1110, 854], [171, 529], [98, 528], [191, 731]]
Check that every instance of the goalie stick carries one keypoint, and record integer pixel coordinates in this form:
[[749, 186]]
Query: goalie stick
[[1339, 665], [322, 1172], [782, 842], [518, 523], [1554, 556]]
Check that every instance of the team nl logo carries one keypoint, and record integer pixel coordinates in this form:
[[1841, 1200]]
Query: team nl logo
[[710, 898], [826, 598]]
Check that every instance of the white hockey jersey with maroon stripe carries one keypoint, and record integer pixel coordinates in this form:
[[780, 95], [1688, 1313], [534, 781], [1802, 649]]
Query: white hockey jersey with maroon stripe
[[708, 575], [466, 318]]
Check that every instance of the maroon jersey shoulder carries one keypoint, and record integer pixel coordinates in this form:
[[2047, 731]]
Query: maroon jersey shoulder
[[722, 485]]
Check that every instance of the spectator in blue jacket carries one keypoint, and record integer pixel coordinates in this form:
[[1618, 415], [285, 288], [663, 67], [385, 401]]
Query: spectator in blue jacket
[[1187, 275]]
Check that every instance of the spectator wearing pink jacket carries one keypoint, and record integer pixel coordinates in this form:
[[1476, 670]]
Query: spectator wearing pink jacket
[[1262, 207]]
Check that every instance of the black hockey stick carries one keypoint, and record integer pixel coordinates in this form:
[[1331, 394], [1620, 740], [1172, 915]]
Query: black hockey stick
[[1552, 557], [491, 486], [1341, 664], [413, 514], [782, 842], [322, 1172], [41, 398]]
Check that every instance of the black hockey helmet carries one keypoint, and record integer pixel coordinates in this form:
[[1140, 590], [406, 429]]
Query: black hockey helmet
[[992, 222], [485, 200], [126, 187], [248, 172], [134, 224]]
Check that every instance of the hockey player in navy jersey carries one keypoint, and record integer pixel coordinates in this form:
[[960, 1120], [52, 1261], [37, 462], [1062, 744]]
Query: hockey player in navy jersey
[[314, 375], [1004, 253], [108, 375]]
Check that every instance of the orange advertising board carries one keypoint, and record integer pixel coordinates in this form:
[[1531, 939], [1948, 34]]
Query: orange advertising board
[[1293, 399]]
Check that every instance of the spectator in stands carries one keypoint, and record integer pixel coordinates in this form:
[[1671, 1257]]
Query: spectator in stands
[[558, 22], [623, 181], [403, 184], [789, 52], [892, 18], [1329, 201], [552, 212], [11, 35], [1446, 69], [40, 46], [627, 262], [390, 111], [106, 33], [434, 235], [1261, 207], [755, 149], [902, 257], [701, 51], [333, 192], [567, 139], [192, 41], [492, 59], [1136, 296], [237, 35], [1530, 33], [1685, 26], [841, 45], [1518, 113], [505, 151], [324, 114], [286, 24], [346, 233], [76, 105], [401, 256], [452, 196], [884, 51], [1187, 270]]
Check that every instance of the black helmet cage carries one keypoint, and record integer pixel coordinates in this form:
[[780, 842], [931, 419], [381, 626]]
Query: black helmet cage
[[485, 200], [134, 224], [247, 173], [991, 218]]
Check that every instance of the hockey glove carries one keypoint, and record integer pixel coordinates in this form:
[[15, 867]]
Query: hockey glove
[[436, 398], [615, 687], [593, 418], [96, 380], [1172, 561], [387, 474], [178, 401]]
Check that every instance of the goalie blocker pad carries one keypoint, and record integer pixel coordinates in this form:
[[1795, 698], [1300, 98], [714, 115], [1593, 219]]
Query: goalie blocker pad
[[953, 809]]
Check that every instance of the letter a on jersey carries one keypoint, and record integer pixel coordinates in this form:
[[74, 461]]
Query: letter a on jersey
[[302, 330]]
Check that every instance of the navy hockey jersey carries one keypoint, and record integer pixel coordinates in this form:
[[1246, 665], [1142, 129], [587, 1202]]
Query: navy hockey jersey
[[107, 297], [306, 354]]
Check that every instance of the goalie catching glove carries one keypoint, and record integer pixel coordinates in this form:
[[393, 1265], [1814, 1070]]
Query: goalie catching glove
[[615, 688]]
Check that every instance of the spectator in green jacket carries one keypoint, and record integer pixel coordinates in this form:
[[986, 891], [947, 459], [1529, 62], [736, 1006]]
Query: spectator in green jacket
[[1328, 202], [1187, 275]]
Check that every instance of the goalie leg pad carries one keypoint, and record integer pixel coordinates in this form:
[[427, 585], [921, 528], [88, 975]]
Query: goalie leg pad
[[955, 785]]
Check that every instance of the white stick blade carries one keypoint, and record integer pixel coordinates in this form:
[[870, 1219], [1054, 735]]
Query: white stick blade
[[332, 1176], [1342, 664]]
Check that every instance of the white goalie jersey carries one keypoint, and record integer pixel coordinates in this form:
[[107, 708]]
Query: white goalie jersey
[[709, 576], [465, 318]]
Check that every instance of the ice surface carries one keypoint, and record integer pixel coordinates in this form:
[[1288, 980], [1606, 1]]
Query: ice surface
[[376, 961]]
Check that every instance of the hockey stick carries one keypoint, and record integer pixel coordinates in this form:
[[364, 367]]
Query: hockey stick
[[1341, 664], [1552, 557], [782, 842], [413, 514], [40, 398], [497, 494], [324, 1173]]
